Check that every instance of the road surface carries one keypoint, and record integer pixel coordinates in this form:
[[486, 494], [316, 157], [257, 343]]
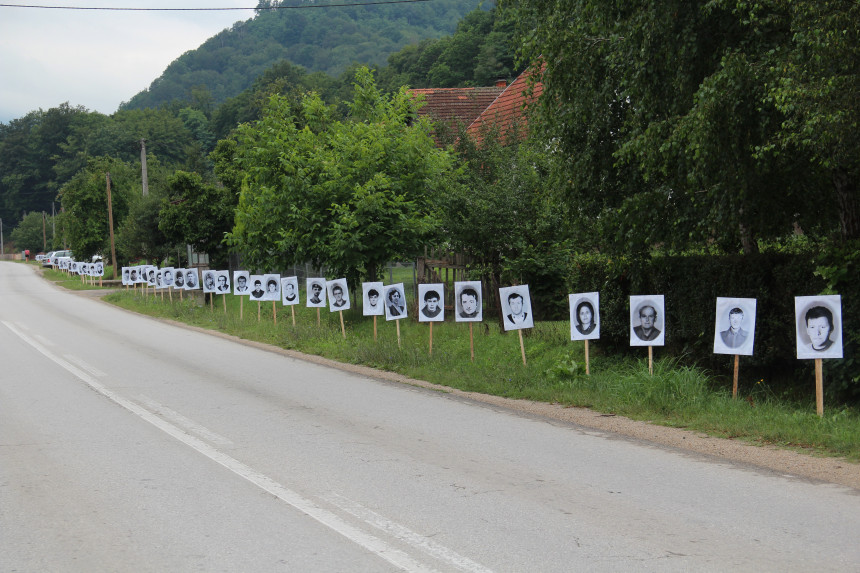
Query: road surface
[[129, 444]]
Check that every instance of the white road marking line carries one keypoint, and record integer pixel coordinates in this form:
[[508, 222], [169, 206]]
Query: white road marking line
[[186, 423], [43, 340], [87, 367], [405, 534], [369, 542]]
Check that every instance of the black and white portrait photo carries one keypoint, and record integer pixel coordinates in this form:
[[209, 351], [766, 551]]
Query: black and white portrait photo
[[126, 276], [819, 326], [179, 278], [468, 305], [316, 292], [166, 276], [584, 316], [159, 279], [192, 279], [272, 283], [338, 296], [734, 330], [516, 307], [374, 304], [151, 276], [647, 320], [289, 290], [209, 281], [241, 286], [395, 302], [257, 285], [222, 282], [431, 302]]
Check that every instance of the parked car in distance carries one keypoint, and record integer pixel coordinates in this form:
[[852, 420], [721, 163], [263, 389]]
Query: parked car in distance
[[51, 258]]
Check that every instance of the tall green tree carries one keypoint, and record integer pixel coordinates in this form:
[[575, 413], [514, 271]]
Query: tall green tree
[[346, 194], [33, 233]]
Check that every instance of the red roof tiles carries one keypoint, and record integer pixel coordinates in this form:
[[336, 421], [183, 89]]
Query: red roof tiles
[[507, 109], [453, 106]]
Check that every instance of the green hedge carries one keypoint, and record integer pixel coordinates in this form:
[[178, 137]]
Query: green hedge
[[691, 285]]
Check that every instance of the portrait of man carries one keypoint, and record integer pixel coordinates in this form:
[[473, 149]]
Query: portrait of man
[[159, 278], [223, 282], [395, 302], [100, 269], [467, 301], [126, 276], [373, 305], [167, 276], [316, 292], [289, 290], [516, 307], [734, 329], [209, 281], [819, 326], [191, 279], [646, 320], [240, 280], [584, 320], [132, 275], [338, 295], [257, 290], [432, 309], [179, 278]]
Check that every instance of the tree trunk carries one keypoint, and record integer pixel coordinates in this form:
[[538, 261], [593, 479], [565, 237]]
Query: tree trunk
[[748, 242], [847, 200]]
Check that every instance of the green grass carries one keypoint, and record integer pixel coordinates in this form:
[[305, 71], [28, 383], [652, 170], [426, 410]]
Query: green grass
[[76, 282], [675, 395]]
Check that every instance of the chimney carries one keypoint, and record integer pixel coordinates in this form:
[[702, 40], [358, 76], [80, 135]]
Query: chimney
[[501, 83]]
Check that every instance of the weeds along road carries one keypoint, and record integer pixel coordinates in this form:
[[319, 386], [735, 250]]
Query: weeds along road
[[129, 444]]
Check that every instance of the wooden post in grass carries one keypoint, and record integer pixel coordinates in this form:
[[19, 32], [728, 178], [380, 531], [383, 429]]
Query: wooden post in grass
[[735, 379], [398, 333], [170, 294], [342, 327], [650, 360], [224, 300], [431, 339], [259, 305], [293, 310], [587, 367], [374, 328], [819, 387], [471, 342], [522, 346], [211, 302], [241, 307], [274, 314], [318, 317]]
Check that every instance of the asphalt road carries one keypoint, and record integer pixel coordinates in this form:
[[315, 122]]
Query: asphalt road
[[128, 444]]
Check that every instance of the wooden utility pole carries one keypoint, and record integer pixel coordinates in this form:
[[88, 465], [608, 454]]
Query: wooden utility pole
[[143, 175], [110, 224], [44, 236]]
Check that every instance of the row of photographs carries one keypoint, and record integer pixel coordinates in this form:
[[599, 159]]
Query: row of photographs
[[79, 268], [818, 318]]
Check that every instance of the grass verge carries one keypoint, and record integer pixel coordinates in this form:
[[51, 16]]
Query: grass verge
[[675, 395]]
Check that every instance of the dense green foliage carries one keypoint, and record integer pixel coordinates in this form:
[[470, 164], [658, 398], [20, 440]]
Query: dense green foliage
[[325, 40], [33, 233], [347, 194]]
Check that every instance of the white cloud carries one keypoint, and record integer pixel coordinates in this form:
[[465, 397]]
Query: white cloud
[[96, 59]]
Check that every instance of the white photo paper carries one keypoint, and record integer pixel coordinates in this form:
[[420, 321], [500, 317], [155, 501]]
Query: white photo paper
[[516, 307], [338, 296], [372, 299], [316, 292], [209, 281], [258, 288], [192, 279], [584, 316], [734, 326], [468, 301], [431, 302], [647, 320], [819, 326], [395, 302], [241, 283], [166, 276], [179, 278], [272, 283], [290, 290], [222, 282]]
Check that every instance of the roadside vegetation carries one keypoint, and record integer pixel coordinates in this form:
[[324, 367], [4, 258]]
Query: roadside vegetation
[[675, 395]]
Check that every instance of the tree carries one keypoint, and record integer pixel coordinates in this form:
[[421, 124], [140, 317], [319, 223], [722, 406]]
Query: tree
[[198, 214], [349, 195], [31, 232]]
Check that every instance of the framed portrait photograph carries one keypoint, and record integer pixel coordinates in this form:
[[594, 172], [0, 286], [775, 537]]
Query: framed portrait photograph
[[819, 326], [126, 276], [257, 284], [290, 290], [159, 279], [584, 315], [395, 302], [151, 271], [100, 269], [209, 281], [516, 307], [338, 295], [431, 302], [222, 282], [372, 300], [179, 278], [316, 292], [272, 284], [647, 320], [468, 301], [167, 276], [241, 283], [192, 279], [734, 326]]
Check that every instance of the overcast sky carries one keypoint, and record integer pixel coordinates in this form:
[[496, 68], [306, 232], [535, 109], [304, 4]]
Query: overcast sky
[[97, 59]]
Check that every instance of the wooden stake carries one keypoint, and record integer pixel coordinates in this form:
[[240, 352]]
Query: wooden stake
[[293, 310], [398, 333], [587, 366], [258, 310], [318, 316], [522, 346], [431, 339], [374, 328], [735, 380], [342, 327], [212, 302], [819, 387], [651, 360], [471, 342], [241, 307], [224, 300], [274, 314], [170, 294]]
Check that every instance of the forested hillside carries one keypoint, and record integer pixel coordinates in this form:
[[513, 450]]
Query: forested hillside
[[326, 40]]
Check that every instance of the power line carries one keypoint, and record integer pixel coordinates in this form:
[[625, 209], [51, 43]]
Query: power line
[[277, 7]]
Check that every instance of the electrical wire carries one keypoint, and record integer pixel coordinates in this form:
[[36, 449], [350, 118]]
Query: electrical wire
[[277, 7]]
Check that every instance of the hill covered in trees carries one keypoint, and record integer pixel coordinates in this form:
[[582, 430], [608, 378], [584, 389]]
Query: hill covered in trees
[[318, 39]]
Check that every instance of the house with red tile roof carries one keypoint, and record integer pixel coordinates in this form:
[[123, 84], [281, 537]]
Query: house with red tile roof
[[451, 108], [507, 111]]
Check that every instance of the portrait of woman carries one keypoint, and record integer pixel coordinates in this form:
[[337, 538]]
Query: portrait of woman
[[819, 332], [372, 299], [395, 302], [584, 323]]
